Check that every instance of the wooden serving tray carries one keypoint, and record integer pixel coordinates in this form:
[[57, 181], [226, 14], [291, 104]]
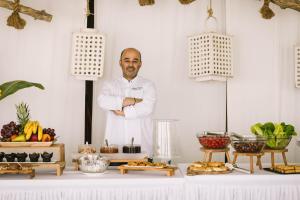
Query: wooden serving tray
[[191, 172], [58, 166], [31, 172], [26, 144], [170, 171], [280, 172]]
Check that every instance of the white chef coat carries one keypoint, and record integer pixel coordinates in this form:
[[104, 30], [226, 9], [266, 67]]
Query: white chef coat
[[137, 122]]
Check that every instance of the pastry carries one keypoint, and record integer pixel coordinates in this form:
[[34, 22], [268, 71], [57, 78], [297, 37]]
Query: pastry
[[86, 149]]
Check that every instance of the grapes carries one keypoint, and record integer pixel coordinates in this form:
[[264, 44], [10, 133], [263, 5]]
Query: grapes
[[8, 130], [49, 131]]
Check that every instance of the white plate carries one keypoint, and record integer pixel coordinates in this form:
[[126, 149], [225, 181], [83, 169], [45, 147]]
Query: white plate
[[94, 174]]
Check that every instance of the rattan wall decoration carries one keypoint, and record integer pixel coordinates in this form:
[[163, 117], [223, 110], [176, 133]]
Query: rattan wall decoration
[[210, 55], [297, 66], [88, 50]]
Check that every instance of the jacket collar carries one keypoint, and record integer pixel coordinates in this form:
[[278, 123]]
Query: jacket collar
[[124, 80]]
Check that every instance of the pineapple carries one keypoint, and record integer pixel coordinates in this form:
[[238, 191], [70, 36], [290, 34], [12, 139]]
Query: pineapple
[[23, 114]]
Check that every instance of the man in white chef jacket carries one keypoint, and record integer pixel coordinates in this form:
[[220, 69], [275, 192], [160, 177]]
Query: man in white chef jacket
[[129, 102]]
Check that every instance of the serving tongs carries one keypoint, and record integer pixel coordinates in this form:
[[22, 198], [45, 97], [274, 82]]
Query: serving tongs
[[237, 136], [235, 167], [214, 133]]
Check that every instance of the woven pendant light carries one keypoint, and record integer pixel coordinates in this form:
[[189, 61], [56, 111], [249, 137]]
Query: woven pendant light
[[88, 50], [210, 55]]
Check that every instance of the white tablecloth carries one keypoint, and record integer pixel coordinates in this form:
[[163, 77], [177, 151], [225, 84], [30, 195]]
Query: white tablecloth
[[150, 186], [261, 185], [77, 186]]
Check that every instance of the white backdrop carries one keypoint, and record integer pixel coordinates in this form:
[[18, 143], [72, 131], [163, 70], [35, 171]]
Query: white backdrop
[[41, 53], [160, 33], [262, 89]]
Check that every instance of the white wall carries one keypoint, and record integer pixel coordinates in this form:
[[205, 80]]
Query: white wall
[[160, 32], [262, 89], [40, 53]]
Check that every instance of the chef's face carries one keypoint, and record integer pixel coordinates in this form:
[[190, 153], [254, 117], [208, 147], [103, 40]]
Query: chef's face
[[130, 63]]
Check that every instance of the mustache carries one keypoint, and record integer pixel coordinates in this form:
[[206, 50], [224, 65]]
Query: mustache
[[130, 68]]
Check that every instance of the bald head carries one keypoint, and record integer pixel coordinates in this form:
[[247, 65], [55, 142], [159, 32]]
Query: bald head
[[131, 49], [130, 62]]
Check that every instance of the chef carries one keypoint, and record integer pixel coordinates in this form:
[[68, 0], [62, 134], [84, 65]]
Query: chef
[[129, 102]]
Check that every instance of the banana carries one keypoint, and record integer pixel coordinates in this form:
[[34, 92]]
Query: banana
[[40, 133], [35, 127], [27, 126], [29, 132]]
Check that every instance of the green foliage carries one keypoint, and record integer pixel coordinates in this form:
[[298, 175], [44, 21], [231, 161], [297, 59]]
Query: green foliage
[[11, 87]]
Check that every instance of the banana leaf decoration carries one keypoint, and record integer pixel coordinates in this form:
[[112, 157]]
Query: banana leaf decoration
[[11, 87]]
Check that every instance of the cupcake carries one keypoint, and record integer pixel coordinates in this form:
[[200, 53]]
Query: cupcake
[[47, 156], [34, 157], [1, 156], [21, 157], [10, 157]]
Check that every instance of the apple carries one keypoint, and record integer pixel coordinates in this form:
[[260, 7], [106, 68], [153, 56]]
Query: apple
[[34, 138]]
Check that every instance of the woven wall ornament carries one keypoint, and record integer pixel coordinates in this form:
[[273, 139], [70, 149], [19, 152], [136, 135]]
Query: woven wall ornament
[[15, 20], [266, 11], [146, 2], [186, 1], [88, 54], [297, 66]]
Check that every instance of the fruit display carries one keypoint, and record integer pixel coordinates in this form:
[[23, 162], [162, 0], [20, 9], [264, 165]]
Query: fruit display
[[214, 141], [278, 135], [9, 131], [26, 130]]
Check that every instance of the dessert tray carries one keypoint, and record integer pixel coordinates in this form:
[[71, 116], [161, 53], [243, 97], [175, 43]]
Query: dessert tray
[[202, 168], [147, 166]]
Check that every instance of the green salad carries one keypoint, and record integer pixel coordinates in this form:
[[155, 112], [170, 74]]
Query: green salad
[[278, 135]]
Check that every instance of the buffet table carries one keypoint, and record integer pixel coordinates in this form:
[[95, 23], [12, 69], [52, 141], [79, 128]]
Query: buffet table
[[261, 185], [74, 185], [140, 185]]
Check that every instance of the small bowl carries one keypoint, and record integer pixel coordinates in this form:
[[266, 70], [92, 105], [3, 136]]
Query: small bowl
[[248, 144], [214, 141], [93, 163], [21, 157], [10, 157], [34, 157], [47, 156], [1, 156], [278, 143], [131, 148], [109, 149]]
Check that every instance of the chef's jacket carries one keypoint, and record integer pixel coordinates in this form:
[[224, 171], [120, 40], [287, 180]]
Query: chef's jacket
[[137, 122]]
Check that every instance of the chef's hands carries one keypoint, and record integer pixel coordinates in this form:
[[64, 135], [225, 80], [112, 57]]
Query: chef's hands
[[128, 101], [119, 112]]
